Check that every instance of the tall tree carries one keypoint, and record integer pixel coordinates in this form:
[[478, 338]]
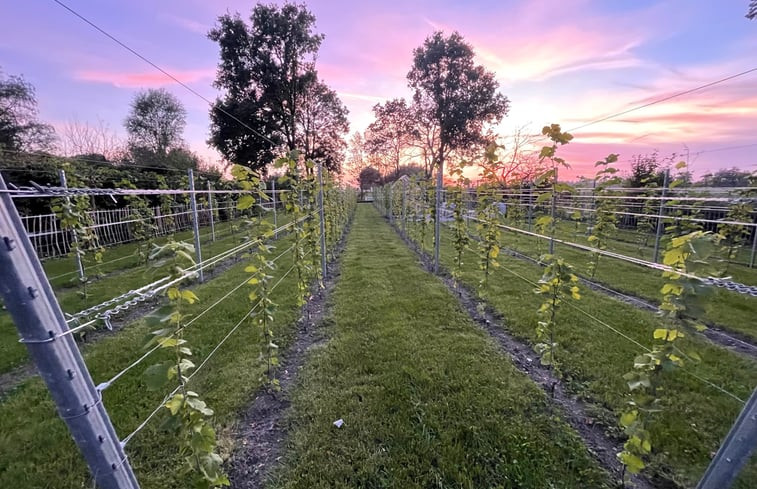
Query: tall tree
[[456, 96], [368, 178], [265, 70], [453, 93], [19, 128], [646, 171], [726, 177], [322, 126], [156, 122], [357, 157], [393, 131]]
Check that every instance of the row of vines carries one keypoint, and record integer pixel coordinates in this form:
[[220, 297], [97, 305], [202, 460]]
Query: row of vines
[[187, 415], [475, 219]]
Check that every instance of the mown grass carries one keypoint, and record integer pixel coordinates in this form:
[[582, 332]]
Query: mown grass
[[62, 271], [731, 310], [426, 397], [118, 281], [35, 447], [595, 358]]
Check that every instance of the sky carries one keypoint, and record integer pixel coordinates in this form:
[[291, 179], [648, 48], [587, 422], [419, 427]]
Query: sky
[[566, 62]]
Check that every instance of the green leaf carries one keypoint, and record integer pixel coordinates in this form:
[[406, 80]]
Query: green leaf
[[245, 202], [175, 403], [189, 296], [631, 461], [156, 375], [627, 419]]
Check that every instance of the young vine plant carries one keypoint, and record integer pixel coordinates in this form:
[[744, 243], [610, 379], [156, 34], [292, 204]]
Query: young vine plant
[[188, 415], [605, 218], [460, 233], [558, 282], [260, 268], [681, 301], [74, 216]]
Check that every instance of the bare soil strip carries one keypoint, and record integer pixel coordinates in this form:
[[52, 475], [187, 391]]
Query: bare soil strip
[[260, 433]]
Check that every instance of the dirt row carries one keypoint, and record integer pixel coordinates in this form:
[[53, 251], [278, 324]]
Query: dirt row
[[259, 435]]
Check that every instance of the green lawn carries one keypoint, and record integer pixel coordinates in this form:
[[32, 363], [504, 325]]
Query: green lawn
[[730, 310], [595, 359], [427, 398], [121, 279]]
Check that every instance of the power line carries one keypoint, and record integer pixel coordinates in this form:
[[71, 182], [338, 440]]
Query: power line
[[663, 99], [169, 75]]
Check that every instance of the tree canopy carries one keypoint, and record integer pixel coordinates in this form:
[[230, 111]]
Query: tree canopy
[[156, 122], [267, 73], [19, 128], [391, 132], [322, 126], [454, 94]]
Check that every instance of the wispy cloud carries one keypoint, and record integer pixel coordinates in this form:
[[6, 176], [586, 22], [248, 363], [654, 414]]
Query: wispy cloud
[[146, 79], [188, 24]]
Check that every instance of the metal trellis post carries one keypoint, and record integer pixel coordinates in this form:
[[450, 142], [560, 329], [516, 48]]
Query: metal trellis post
[[553, 214], [29, 297], [212, 218], [404, 207], [195, 223], [437, 216], [530, 204], [275, 219], [322, 219], [390, 202], [658, 233], [754, 247], [735, 450], [77, 256]]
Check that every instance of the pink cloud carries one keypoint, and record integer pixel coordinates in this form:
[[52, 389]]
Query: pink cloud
[[144, 79]]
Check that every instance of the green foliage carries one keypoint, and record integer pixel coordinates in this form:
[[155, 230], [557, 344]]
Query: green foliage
[[606, 219], [558, 280], [680, 217], [454, 94], [299, 206], [74, 216], [260, 269], [268, 79], [166, 205], [735, 235], [19, 127], [456, 197], [142, 223], [188, 415], [155, 122], [487, 223], [557, 283], [681, 299]]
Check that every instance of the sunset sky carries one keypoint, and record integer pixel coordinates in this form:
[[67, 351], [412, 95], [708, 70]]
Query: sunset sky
[[567, 61]]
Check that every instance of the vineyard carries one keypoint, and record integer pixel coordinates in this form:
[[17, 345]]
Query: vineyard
[[637, 302], [284, 269], [612, 326]]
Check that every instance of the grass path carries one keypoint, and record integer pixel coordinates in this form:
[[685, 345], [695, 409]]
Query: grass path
[[426, 397], [126, 275]]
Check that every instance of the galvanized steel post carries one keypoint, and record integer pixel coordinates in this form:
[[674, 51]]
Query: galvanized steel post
[[195, 224], [321, 214], [77, 256], [31, 302]]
